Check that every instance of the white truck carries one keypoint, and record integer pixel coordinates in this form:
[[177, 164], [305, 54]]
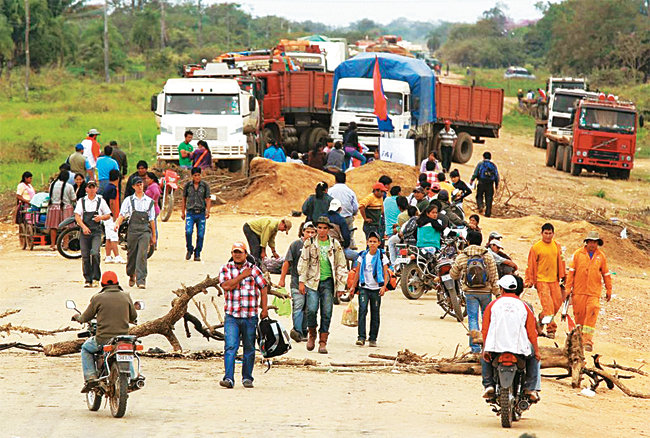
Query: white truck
[[210, 102]]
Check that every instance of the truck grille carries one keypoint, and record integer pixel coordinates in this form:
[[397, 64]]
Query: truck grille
[[203, 133], [363, 129], [560, 122], [603, 155]]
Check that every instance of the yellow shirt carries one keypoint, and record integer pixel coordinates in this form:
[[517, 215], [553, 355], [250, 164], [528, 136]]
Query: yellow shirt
[[546, 261], [446, 186]]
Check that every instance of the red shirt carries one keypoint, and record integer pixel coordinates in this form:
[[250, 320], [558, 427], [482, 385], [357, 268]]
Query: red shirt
[[244, 300]]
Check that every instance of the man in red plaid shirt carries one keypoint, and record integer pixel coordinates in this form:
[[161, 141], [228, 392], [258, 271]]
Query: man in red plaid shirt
[[245, 289]]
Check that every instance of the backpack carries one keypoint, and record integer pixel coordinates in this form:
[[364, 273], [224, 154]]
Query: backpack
[[409, 228], [272, 338], [476, 275], [487, 172]]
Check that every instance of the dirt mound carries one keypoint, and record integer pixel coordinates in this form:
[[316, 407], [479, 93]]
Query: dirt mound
[[280, 188], [362, 178]]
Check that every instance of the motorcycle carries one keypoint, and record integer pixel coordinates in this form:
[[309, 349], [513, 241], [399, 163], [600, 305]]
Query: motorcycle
[[168, 186], [449, 292], [68, 241], [510, 399], [113, 364]]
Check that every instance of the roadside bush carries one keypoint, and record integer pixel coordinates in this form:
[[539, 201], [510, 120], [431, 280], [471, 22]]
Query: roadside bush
[[39, 151]]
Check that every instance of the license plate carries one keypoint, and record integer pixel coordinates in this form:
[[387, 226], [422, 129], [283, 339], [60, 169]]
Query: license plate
[[446, 277], [402, 260], [124, 357]]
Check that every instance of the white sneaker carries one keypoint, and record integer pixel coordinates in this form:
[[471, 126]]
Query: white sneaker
[[119, 259], [489, 392], [109, 259]]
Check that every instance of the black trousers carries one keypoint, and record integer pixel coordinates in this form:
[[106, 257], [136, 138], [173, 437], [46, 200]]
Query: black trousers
[[254, 244], [484, 197], [446, 152]]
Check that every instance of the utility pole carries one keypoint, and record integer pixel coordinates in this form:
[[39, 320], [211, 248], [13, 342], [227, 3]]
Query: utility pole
[[200, 26], [162, 24], [107, 75], [27, 24]]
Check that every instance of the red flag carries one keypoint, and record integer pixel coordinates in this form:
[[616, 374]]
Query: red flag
[[378, 93]]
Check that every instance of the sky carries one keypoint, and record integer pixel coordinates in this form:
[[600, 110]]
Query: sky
[[342, 12]]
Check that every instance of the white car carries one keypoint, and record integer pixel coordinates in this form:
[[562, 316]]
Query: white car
[[518, 72]]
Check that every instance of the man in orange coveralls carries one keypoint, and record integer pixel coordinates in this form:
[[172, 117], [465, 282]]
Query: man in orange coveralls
[[583, 282], [545, 270]]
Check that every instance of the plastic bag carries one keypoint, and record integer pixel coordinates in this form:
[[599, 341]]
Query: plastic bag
[[350, 317], [283, 306]]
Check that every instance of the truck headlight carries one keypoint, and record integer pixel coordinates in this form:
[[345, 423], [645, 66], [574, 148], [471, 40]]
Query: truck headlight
[[629, 158]]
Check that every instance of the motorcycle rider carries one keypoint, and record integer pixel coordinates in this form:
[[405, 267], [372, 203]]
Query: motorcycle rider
[[114, 310], [509, 326]]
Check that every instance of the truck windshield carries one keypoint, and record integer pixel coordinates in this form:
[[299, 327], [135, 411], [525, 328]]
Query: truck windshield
[[568, 85], [362, 101], [562, 103], [607, 120], [212, 104]]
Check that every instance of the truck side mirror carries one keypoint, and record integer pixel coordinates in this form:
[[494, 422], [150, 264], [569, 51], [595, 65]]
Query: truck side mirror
[[154, 102], [251, 103], [326, 98]]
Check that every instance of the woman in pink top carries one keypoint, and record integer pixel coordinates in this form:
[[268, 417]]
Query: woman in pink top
[[24, 193], [153, 191]]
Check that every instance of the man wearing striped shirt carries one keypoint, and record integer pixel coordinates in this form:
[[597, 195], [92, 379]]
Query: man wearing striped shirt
[[448, 139]]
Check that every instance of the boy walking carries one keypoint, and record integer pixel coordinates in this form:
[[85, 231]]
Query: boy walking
[[371, 278], [196, 209]]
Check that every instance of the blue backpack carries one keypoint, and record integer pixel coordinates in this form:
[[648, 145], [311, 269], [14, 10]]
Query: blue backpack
[[476, 275], [487, 172]]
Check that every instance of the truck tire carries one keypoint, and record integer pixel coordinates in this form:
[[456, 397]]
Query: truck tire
[[559, 157], [575, 169], [436, 146], [624, 174], [536, 140], [303, 142], [464, 148], [550, 153], [268, 134], [317, 134], [568, 155]]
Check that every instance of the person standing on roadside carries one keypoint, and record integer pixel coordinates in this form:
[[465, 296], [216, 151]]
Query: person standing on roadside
[[587, 271], [185, 150], [544, 272], [92, 148], [89, 213], [142, 169], [371, 209], [261, 232], [79, 163], [152, 190], [245, 289], [202, 157], [488, 182], [298, 299], [119, 156], [61, 206], [318, 204], [349, 203], [195, 211], [104, 165], [139, 210], [448, 139], [322, 273], [371, 278], [112, 237]]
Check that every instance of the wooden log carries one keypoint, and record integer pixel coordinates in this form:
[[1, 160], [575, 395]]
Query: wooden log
[[459, 368], [624, 368], [382, 356], [616, 381]]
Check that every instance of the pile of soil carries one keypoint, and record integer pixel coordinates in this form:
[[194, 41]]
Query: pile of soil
[[362, 178]]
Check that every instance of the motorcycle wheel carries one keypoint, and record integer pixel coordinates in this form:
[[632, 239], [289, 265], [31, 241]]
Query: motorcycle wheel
[[168, 208], [455, 305], [73, 250], [411, 291], [506, 407], [94, 400], [119, 391]]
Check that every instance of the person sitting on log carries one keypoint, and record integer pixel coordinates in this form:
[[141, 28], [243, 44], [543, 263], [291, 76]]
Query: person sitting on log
[[509, 326]]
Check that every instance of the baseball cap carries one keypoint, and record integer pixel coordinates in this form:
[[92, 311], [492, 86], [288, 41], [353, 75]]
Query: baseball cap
[[335, 204], [79, 147], [418, 190], [496, 242], [379, 186], [495, 235], [308, 224], [93, 132], [91, 183], [435, 187], [287, 224], [109, 277], [239, 247], [136, 180], [447, 122], [508, 282]]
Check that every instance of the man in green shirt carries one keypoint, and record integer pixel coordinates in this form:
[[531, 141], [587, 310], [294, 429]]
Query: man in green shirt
[[185, 149], [261, 232]]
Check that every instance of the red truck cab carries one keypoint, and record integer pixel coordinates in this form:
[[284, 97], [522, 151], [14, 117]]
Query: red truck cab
[[604, 136]]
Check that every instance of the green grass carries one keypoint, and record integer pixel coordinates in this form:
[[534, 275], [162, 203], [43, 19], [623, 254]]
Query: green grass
[[61, 109], [493, 78], [518, 123], [600, 194]]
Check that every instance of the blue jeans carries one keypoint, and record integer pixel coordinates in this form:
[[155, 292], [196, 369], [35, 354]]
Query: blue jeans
[[476, 302], [88, 350], [369, 296], [350, 254], [533, 376], [233, 328], [190, 220], [298, 305], [353, 153], [322, 297]]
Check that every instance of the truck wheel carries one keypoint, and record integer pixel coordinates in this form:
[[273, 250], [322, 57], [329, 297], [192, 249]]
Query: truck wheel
[[536, 142], [436, 146], [464, 148], [568, 155], [624, 174], [575, 169], [550, 153], [268, 134], [303, 143], [236, 165], [317, 134], [559, 157]]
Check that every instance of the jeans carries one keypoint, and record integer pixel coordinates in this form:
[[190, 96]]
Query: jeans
[[233, 328], [476, 302], [367, 228], [90, 244], [353, 153], [372, 296], [190, 220], [446, 152], [485, 190], [102, 186], [392, 247], [88, 350], [533, 376], [298, 307], [322, 297], [350, 254]]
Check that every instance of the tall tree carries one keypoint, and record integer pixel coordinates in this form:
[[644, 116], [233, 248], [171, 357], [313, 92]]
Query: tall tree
[[27, 66], [107, 74]]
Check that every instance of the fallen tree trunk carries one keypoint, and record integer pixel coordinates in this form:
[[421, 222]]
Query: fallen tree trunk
[[161, 326]]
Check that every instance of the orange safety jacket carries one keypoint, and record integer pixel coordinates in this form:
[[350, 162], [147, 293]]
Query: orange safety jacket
[[531, 269], [585, 273]]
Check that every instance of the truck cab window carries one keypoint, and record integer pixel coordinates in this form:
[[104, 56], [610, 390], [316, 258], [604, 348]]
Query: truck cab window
[[209, 104]]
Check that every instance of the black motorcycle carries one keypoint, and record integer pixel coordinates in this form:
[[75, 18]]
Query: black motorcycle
[[69, 245], [510, 399], [113, 368]]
